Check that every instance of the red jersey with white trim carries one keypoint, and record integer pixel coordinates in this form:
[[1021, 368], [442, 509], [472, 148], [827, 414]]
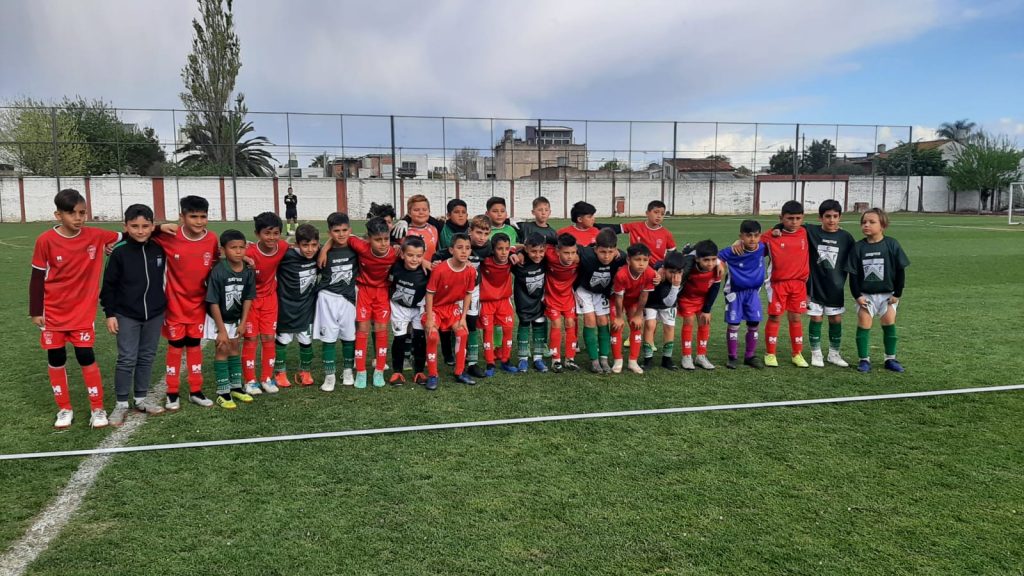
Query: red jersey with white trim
[[583, 237], [450, 286], [188, 265], [495, 280], [630, 286], [266, 267], [658, 240], [430, 237], [373, 269], [789, 253], [699, 282], [558, 292], [73, 268]]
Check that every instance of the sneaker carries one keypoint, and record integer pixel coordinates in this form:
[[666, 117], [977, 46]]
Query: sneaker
[[200, 400], [509, 368], [893, 365], [635, 367], [556, 367], [648, 363], [571, 365], [328, 385], [465, 379], [419, 378], [148, 407], [241, 396], [269, 387], [704, 363], [347, 378], [668, 364], [305, 378], [281, 380], [799, 361], [252, 388], [595, 367], [119, 414], [64, 418], [817, 359], [378, 379], [864, 366], [617, 366], [98, 418], [226, 403], [754, 362], [432, 383], [489, 372], [360, 382], [524, 365], [476, 371], [540, 366], [771, 361], [834, 358], [686, 363], [605, 366], [397, 379], [731, 364], [172, 405]]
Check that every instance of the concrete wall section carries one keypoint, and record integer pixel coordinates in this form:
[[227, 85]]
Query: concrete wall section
[[255, 195], [10, 200], [814, 193], [363, 192], [936, 194], [691, 197], [775, 194], [436, 195], [638, 194], [475, 193], [318, 197], [208, 188], [733, 196], [596, 192]]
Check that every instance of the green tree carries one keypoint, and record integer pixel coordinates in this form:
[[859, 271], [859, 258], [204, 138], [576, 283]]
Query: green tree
[[961, 131], [719, 157], [204, 150], [818, 157], [614, 164], [922, 162], [27, 130], [782, 161], [319, 161], [987, 164], [114, 146]]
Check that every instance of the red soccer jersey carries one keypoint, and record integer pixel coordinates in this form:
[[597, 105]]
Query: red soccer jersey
[[449, 286], [266, 267], [429, 234], [659, 240], [698, 283], [73, 267], [558, 281], [630, 286], [583, 237], [188, 265], [373, 269], [496, 280], [789, 254]]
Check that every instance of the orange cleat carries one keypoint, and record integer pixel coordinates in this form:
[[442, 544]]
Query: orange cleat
[[419, 378], [281, 379], [305, 378], [397, 379]]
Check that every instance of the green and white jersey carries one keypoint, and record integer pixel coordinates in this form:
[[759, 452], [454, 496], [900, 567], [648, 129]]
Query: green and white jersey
[[339, 275], [296, 292], [876, 265], [828, 254], [229, 290], [512, 233]]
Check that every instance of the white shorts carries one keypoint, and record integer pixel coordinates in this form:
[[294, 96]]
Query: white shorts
[[878, 304], [474, 304], [335, 317], [403, 316], [304, 338], [587, 302], [210, 329], [815, 309], [666, 316]]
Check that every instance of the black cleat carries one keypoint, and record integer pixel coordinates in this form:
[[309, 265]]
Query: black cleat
[[648, 363], [571, 365], [556, 367], [731, 364], [754, 362], [668, 364], [476, 371]]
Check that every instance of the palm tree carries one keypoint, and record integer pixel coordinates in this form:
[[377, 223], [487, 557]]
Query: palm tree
[[213, 145], [961, 131]]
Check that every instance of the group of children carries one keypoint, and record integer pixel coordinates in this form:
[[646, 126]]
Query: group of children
[[438, 284]]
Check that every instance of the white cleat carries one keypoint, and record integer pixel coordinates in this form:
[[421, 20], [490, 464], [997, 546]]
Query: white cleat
[[704, 363], [347, 378], [634, 367], [835, 358], [817, 359], [617, 366], [173, 406], [686, 363], [200, 401], [268, 386], [98, 418], [252, 388], [328, 385], [64, 418]]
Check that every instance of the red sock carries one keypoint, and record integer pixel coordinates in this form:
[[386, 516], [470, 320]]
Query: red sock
[[687, 340], [362, 339], [703, 334], [173, 369], [555, 343], [771, 335], [59, 384], [461, 335], [93, 385], [635, 343], [432, 340], [505, 352], [796, 337], [380, 338], [616, 344], [487, 327], [571, 336], [194, 357], [248, 360], [268, 353]]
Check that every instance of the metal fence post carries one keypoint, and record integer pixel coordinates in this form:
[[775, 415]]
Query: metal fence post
[[56, 152], [796, 159], [394, 185], [672, 161]]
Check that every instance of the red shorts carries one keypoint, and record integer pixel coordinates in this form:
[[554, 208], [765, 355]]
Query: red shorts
[[179, 330], [496, 311], [262, 319], [372, 303], [445, 317], [787, 295], [554, 313], [55, 339], [689, 307]]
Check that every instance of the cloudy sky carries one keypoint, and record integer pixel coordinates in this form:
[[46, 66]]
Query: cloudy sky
[[892, 63]]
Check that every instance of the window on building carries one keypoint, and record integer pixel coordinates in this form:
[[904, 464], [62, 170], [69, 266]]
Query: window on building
[[563, 160], [409, 166]]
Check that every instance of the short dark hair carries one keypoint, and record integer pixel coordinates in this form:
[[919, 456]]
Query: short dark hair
[[654, 204], [336, 219], [376, 226], [381, 211], [460, 236], [67, 199], [705, 248], [541, 200], [499, 237], [792, 207], [135, 210], [495, 200], [535, 239], [830, 204], [229, 236], [455, 203], [265, 220], [413, 242], [638, 249], [306, 233], [581, 209], [566, 240], [750, 227], [674, 260], [190, 204], [607, 238]]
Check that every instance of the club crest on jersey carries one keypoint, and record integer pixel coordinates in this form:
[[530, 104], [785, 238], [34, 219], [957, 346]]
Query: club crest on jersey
[[535, 283], [232, 296], [48, 337], [207, 258], [91, 250]]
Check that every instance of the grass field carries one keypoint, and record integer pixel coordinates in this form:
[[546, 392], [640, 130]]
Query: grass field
[[923, 486]]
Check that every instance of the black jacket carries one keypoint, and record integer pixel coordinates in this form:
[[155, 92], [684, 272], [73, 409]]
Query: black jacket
[[133, 283]]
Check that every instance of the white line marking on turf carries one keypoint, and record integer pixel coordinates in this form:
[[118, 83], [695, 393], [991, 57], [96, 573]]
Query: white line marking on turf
[[503, 422]]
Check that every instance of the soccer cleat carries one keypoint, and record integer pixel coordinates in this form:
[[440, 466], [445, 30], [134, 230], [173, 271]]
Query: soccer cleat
[[360, 382], [476, 371], [617, 366], [328, 385], [226, 403], [686, 363], [465, 379], [595, 367], [668, 364], [635, 367], [540, 366], [419, 378], [305, 378], [648, 363], [269, 387], [119, 414], [893, 365], [524, 365], [754, 362], [799, 361], [397, 379], [378, 379], [605, 366], [200, 400], [241, 396], [835, 358], [172, 405], [64, 418], [817, 360], [98, 418], [281, 379], [731, 364], [864, 366], [347, 378], [571, 365], [489, 372], [771, 361], [432, 383], [252, 388], [556, 367], [704, 363], [509, 367], [148, 407]]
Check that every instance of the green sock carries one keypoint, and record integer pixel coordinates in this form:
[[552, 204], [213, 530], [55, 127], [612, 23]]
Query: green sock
[[590, 338], [235, 371], [473, 347], [604, 340], [280, 358], [306, 358], [523, 339], [348, 354], [889, 340], [668, 348], [540, 339], [220, 368], [329, 351], [814, 335], [648, 350], [863, 338], [835, 335]]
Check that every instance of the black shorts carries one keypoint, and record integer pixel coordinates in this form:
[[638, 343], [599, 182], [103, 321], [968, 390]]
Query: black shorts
[[291, 214]]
